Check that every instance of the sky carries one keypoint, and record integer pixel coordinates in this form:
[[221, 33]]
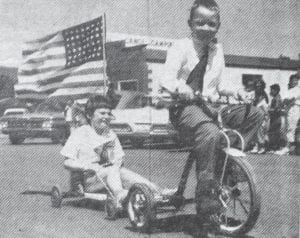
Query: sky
[[268, 28]]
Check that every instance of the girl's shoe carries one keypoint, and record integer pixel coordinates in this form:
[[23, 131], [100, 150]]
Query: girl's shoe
[[254, 150], [283, 151], [262, 150]]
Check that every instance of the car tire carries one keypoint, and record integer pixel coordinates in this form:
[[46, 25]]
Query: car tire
[[16, 140], [61, 138], [297, 140], [137, 143]]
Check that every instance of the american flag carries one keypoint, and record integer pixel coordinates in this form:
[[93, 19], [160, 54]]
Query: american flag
[[68, 62]]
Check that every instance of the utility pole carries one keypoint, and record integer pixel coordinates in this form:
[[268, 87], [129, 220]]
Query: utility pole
[[149, 33]]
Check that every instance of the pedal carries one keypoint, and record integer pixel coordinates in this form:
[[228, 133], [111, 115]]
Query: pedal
[[178, 201]]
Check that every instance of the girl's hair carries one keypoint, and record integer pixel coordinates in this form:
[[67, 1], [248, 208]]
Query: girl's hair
[[95, 102], [260, 92], [209, 4]]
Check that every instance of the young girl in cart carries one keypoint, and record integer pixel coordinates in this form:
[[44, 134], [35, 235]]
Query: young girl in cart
[[95, 156]]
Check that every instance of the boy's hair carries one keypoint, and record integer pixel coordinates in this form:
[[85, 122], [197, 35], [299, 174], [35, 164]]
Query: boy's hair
[[292, 77], [209, 4], [275, 87], [96, 102]]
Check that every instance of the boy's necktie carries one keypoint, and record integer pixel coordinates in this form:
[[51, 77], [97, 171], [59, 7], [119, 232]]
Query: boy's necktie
[[195, 79]]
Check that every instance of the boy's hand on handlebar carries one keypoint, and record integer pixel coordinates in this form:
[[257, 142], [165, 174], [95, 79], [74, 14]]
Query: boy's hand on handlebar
[[92, 167], [186, 92]]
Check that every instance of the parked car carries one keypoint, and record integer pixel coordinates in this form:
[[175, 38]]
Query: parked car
[[138, 119], [297, 138], [7, 103], [15, 111], [47, 121]]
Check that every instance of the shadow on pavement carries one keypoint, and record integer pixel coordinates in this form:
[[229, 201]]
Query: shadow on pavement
[[85, 203], [188, 225], [36, 192], [77, 202]]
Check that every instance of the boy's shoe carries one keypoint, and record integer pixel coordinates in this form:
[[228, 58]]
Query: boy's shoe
[[208, 201], [177, 200], [168, 191], [283, 151]]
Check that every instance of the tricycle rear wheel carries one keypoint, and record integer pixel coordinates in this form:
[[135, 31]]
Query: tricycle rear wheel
[[56, 196], [141, 207]]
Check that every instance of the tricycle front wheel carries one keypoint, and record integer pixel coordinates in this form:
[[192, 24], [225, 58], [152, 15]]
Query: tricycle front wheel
[[240, 197]]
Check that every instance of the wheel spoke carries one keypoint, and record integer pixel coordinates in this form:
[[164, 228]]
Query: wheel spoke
[[243, 206], [234, 206]]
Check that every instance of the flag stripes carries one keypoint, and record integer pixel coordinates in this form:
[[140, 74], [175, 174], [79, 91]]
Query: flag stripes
[[68, 59]]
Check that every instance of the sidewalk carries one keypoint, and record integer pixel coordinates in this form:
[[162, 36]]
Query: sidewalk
[[2, 136]]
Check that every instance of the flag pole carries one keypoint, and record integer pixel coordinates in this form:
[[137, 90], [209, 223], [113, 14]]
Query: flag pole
[[104, 56]]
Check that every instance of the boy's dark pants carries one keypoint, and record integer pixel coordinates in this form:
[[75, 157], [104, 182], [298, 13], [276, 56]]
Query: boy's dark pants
[[206, 136], [275, 134]]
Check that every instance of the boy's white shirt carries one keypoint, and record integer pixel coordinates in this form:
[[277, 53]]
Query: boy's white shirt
[[84, 140], [181, 60]]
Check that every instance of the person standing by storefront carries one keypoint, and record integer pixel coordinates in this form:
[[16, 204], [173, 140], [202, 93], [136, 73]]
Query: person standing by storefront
[[275, 113], [292, 104], [68, 114]]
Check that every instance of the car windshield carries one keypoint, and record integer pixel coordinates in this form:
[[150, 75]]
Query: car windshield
[[132, 100], [49, 106]]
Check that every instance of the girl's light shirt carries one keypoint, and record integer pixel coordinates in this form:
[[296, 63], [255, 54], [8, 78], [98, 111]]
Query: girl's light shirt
[[246, 96], [181, 60], [82, 143], [294, 93], [263, 105]]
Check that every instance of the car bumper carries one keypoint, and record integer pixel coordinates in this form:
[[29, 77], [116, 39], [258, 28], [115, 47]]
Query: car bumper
[[152, 135], [33, 133]]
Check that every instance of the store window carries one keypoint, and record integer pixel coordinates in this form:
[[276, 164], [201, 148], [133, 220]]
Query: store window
[[250, 78]]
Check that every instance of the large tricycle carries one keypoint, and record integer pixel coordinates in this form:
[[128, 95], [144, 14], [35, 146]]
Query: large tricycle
[[237, 192]]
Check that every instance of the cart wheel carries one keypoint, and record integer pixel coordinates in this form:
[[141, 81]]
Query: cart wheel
[[56, 196], [141, 207], [239, 194], [111, 208]]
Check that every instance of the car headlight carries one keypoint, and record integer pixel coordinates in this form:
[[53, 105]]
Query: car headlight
[[159, 127], [47, 124], [3, 124]]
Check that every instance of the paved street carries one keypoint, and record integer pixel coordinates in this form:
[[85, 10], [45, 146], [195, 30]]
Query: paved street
[[28, 171]]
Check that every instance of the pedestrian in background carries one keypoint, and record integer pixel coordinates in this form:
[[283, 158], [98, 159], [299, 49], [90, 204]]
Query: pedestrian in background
[[68, 113], [261, 101], [292, 105], [276, 137], [78, 115], [247, 93]]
